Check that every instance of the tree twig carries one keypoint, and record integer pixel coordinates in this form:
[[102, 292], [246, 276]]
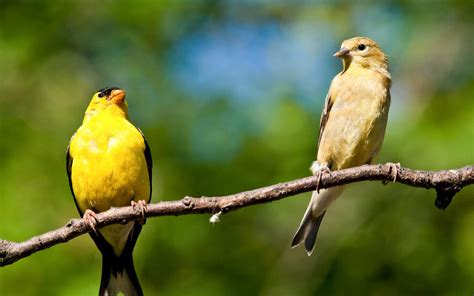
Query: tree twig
[[447, 183]]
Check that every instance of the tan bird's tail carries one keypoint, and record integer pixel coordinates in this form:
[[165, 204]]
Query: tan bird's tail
[[307, 231], [313, 216]]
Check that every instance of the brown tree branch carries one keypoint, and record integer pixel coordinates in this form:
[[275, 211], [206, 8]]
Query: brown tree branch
[[447, 183]]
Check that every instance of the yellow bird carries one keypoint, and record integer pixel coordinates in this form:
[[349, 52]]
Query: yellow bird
[[109, 165], [352, 124]]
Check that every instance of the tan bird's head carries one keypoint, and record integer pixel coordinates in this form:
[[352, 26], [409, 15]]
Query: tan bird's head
[[108, 98], [364, 52]]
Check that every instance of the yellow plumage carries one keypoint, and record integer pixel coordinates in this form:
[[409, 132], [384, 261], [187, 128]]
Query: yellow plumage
[[109, 165], [110, 170]]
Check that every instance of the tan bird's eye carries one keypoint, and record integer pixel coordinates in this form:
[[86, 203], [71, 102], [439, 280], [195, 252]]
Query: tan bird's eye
[[101, 94], [361, 47]]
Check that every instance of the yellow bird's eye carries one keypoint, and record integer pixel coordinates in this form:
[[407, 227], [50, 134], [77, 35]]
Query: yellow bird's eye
[[105, 92], [361, 47]]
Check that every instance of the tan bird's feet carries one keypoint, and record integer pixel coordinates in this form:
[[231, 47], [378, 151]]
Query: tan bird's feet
[[142, 206], [90, 218], [318, 170], [394, 169]]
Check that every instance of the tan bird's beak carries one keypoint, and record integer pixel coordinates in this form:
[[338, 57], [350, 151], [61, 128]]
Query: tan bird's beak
[[117, 96], [343, 52]]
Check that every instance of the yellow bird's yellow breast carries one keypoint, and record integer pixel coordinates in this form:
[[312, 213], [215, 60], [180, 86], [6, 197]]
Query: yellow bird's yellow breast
[[109, 168]]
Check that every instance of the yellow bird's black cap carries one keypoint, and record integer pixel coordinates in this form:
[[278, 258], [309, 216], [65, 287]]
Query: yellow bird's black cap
[[105, 92]]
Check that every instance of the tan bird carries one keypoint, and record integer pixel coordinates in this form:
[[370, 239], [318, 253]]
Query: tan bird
[[352, 124]]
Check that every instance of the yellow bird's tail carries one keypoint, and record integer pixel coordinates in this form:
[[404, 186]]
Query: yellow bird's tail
[[118, 275], [118, 272]]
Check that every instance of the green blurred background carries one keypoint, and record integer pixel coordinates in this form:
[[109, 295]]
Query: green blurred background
[[229, 95]]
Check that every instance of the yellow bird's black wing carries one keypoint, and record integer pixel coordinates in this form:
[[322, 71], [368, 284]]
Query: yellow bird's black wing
[[325, 116], [69, 161], [149, 161]]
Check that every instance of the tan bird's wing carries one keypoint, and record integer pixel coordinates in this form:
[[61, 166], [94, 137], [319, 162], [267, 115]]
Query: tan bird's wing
[[325, 115]]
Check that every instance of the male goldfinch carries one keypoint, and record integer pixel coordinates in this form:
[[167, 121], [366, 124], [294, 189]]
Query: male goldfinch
[[109, 165], [352, 124]]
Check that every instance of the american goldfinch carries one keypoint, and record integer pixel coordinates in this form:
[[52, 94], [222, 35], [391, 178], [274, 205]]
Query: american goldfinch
[[352, 124], [109, 165]]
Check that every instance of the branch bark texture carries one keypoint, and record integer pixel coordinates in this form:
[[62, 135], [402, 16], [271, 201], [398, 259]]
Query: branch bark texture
[[446, 183]]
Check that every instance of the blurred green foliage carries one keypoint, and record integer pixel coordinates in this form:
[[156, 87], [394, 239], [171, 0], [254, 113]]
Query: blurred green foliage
[[228, 94]]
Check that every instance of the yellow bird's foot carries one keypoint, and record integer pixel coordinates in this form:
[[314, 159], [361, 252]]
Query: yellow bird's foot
[[394, 169], [90, 217], [141, 206], [318, 170]]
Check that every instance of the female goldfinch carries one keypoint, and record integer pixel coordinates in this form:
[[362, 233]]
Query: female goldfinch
[[352, 124], [109, 165]]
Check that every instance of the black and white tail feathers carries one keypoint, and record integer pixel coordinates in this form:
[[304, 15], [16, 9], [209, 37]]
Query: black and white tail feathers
[[118, 275], [118, 272]]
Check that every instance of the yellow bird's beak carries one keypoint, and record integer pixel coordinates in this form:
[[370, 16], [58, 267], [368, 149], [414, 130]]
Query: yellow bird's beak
[[117, 96], [343, 52]]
